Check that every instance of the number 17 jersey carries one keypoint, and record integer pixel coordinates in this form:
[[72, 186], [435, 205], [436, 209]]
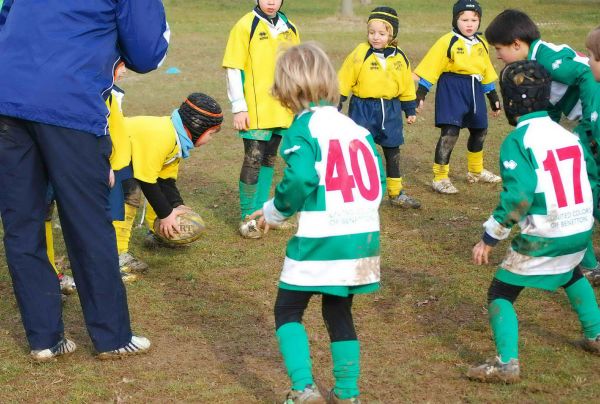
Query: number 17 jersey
[[548, 191], [335, 180]]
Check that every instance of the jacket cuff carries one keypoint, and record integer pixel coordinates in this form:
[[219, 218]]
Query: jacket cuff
[[489, 240], [271, 214], [495, 230]]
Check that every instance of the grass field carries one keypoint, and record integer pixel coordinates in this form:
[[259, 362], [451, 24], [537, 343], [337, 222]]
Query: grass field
[[208, 308]]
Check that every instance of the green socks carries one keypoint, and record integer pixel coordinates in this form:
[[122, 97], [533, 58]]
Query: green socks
[[583, 301], [293, 343], [346, 368], [247, 196], [505, 326], [263, 189]]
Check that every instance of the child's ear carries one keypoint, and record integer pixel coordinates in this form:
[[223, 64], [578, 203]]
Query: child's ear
[[517, 44]]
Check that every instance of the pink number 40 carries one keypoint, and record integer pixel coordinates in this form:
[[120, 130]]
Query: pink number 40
[[337, 177]]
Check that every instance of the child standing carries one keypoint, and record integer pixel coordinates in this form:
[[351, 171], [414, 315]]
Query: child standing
[[335, 179], [547, 192], [379, 76], [250, 62], [592, 44], [516, 37], [461, 62]]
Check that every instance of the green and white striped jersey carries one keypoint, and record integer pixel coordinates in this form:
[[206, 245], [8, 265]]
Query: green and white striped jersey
[[546, 191], [335, 180], [573, 83]]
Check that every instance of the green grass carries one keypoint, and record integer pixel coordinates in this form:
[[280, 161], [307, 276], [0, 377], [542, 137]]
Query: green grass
[[208, 308]]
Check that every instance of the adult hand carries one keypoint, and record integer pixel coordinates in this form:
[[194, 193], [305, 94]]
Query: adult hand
[[111, 178], [481, 253], [241, 120]]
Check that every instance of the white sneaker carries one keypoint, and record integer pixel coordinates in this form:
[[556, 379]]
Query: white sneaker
[[444, 187], [310, 394], [137, 345], [484, 176], [67, 284], [250, 229], [64, 347], [134, 264]]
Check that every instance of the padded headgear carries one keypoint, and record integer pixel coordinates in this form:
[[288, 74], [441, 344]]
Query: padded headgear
[[465, 5], [525, 87], [199, 113], [388, 16]]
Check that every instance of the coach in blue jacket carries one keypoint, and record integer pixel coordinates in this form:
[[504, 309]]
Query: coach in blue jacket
[[56, 68]]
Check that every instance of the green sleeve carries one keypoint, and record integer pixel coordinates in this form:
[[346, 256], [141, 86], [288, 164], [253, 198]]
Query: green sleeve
[[518, 178], [593, 176], [300, 177]]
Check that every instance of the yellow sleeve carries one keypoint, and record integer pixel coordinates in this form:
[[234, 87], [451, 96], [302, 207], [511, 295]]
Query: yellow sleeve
[[435, 61], [121, 145], [237, 49], [407, 85], [490, 75], [348, 73]]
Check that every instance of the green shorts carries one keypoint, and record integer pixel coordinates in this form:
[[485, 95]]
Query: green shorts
[[546, 282], [343, 291], [261, 134]]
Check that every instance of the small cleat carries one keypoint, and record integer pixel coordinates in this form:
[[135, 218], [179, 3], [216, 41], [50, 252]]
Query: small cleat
[[67, 284], [592, 274], [444, 186], [250, 229], [127, 276], [134, 264], [332, 398], [137, 345], [591, 345], [64, 347], [496, 371], [287, 225], [404, 201], [310, 395], [484, 176]]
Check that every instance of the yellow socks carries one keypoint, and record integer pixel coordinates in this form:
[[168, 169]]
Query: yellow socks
[[440, 171], [123, 228], [475, 162], [50, 245], [394, 186]]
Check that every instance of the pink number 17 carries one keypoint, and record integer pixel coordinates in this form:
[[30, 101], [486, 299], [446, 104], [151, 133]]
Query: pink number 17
[[550, 164]]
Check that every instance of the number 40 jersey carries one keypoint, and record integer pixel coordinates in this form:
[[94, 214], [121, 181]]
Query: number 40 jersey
[[548, 183], [335, 179]]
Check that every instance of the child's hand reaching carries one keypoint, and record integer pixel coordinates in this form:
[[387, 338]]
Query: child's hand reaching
[[241, 120], [168, 225], [481, 253], [496, 111], [260, 222], [411, 119]]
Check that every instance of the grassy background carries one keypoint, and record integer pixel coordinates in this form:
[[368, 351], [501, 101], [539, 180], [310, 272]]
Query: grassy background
[[208, 309]]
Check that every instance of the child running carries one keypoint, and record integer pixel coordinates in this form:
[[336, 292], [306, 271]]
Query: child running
[[249, 59], [516, 37], [547, 192], [335, 179], [461, 62], [378, 75]]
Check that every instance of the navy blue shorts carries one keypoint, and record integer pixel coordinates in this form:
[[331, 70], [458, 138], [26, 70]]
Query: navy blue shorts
[[116, 197], [385, 124], [459, 101]]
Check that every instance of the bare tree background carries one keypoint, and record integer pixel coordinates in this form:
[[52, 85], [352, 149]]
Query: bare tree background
[[347, 9]]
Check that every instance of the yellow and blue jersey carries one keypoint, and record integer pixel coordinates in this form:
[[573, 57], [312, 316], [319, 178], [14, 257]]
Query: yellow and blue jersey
[[253, 48], [364, 75], [453, 53], [155, 151], [121, 145]]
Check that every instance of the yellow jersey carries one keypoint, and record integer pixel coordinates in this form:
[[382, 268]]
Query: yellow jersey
[[363, 74], [454, 53], [253, 48], [121, 146], [155, 150]]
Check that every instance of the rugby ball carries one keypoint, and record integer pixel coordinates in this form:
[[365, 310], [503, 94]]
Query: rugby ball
[[190, 226]]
